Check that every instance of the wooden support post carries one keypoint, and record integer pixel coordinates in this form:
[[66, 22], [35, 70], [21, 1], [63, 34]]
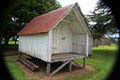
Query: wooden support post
[[70, 66], [60, 67], [84, 62], [75, 63], [48, 68]]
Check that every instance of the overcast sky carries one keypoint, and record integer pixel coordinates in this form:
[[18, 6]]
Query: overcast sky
[[85, 5]]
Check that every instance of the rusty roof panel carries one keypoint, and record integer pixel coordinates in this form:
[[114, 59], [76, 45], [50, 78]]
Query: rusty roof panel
[[45, 22]]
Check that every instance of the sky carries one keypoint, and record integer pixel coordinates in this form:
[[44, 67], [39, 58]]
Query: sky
[[85, 5]]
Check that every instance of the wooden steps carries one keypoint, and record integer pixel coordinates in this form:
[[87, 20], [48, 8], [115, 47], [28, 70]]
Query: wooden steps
[[29, 64]]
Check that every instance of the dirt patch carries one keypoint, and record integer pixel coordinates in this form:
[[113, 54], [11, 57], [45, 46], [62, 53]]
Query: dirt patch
[[41, 74]]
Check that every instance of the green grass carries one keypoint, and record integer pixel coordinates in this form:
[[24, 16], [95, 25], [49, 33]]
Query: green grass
[[13, 43], [15, 70], [102, 60]]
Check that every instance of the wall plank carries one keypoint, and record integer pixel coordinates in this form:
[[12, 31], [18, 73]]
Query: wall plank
[[35, 45]]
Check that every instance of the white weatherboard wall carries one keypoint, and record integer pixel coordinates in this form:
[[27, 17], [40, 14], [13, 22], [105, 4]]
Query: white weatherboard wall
[[90, 45], [65, 41], [79, 44], [62, 39], [69, 36], [35, 45]]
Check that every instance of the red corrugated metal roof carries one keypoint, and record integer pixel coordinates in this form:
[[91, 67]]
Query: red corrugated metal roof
[[45, 22]]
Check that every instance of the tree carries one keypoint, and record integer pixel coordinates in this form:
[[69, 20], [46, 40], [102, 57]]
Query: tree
[[22, 13], [103, 20]]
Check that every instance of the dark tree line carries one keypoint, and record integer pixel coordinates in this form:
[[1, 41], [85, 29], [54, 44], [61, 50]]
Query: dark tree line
[[103, 21], [20, 13]]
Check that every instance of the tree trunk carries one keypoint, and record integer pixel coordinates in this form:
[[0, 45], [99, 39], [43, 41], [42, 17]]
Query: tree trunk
[[15, 42], [0, 41], [6, 41]]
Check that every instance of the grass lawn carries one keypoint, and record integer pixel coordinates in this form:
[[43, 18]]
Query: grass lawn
[[102, 60], [15, 70], [12, 42]]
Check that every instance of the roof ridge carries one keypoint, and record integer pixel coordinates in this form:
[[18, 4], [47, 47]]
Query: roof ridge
[[53, 11], [44, 22], [60, 12]]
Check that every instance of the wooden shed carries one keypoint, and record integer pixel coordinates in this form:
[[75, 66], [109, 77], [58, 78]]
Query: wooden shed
[[102, 41], [59, 35]]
